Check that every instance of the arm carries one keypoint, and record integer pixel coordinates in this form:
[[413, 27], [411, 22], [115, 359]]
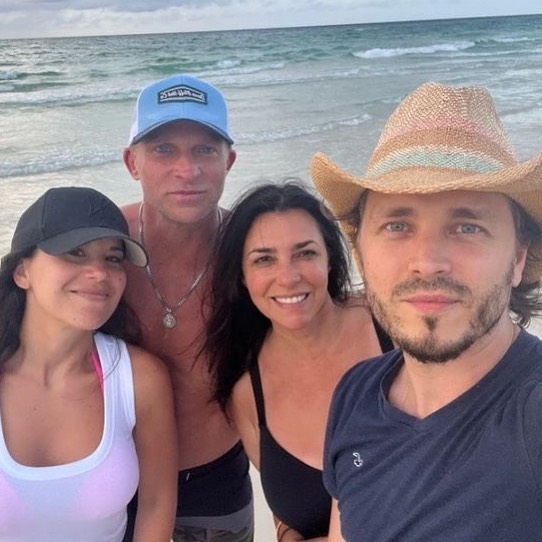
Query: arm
[[243, 415], [156, 444], [288, 534], [335, 524]]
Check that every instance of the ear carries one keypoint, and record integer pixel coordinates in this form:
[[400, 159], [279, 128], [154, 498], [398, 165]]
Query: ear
[[519, 265], [20, 275], [128, 156], [232, 156]]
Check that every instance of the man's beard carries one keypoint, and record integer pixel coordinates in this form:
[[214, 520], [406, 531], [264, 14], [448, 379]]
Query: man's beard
[[487, 312]]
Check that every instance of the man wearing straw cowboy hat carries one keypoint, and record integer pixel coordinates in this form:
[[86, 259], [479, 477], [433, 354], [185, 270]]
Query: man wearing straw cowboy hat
[[441, 440]]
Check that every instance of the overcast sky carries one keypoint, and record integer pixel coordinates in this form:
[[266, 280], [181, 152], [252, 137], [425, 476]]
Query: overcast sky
[[48, 18]]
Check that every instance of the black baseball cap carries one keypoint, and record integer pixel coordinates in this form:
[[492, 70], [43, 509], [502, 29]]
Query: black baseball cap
[[65, 218]]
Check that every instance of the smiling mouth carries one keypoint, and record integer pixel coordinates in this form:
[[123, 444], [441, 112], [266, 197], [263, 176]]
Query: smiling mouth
[[291, 300]]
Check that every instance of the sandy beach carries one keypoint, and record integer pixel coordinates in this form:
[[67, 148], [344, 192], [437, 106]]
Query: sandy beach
[[265, 529]]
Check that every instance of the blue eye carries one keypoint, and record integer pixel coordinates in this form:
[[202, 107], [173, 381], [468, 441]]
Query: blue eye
[[468, 228], [206, 149], [396, 227], [163, 148]]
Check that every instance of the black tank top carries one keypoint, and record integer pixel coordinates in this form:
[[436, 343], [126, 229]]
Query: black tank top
[[294, 491]]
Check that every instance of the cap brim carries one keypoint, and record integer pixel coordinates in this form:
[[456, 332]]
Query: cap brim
[[144, 133], [60, 244]]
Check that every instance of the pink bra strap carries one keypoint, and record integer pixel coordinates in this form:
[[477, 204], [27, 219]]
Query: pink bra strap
[[98, 367]]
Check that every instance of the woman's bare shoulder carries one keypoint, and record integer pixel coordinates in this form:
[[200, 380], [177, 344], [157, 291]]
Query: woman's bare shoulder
[[145, 364]]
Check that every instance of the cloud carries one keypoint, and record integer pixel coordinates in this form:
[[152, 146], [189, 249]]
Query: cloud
[[120, 6], [94, 17], [50, 18]]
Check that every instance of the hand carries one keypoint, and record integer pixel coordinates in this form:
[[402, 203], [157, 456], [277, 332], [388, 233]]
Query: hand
[[288, 534]]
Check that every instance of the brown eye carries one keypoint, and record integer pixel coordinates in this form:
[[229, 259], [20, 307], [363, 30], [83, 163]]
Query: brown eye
[[78, 251]]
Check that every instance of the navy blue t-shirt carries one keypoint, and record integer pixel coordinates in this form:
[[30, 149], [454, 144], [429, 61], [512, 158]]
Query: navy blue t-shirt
[[470, 472]]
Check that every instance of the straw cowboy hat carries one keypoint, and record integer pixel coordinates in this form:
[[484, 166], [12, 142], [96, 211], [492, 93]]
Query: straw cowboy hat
[[438, 139]]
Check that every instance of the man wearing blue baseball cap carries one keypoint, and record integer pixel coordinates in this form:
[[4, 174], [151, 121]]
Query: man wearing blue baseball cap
[[180, 150]]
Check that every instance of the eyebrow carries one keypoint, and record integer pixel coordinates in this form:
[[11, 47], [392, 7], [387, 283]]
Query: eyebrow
[[267, 250], [473, 213], [396, 212]]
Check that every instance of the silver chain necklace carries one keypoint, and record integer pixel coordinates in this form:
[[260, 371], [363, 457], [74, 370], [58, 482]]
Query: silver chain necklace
[[169, 320]]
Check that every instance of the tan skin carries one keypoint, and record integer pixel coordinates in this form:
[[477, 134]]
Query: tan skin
[[50, 397], [182, 167], [465, 236], [312, 340]]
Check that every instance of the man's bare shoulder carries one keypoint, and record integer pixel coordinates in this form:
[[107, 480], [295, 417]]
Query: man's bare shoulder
[[131, 211]]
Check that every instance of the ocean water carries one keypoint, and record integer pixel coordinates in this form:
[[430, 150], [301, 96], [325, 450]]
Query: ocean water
[[66, 104]]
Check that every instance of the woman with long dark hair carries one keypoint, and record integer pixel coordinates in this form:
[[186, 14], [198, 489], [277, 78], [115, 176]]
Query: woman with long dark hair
[[285, 325], [84, 416]]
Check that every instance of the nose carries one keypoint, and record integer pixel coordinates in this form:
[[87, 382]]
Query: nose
[[186, 166], [429, 255], [288, 274], [97, 269]]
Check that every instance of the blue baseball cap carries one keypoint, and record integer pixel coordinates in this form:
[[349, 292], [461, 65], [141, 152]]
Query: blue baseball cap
[[181, 97]]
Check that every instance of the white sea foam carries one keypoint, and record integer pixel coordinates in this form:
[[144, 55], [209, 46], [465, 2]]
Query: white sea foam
[[228, 63], [300, 131], [511, 40], [57, 162], [8, 75], [423, 50]]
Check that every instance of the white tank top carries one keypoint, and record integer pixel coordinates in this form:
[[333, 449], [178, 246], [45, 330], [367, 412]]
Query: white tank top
[[83, 501]]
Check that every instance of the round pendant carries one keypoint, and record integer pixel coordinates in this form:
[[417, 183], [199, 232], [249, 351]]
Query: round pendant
[[169, 320]]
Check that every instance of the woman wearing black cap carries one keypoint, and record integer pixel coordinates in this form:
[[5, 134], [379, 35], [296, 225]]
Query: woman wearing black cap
[[84, 417]]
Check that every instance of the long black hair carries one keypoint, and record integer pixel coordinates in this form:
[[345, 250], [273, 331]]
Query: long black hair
[[236, 329]]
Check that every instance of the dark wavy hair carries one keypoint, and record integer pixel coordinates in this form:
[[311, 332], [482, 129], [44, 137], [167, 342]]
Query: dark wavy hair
[[236, 329], [123, 323], [525, 299]]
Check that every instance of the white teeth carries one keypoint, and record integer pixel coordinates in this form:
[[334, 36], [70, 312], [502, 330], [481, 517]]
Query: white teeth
[[291, 300]]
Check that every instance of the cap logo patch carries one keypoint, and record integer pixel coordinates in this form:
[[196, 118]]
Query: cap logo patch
[[182, 93]]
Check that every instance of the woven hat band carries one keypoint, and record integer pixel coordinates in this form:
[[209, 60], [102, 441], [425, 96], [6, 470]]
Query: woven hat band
[[441, 148]]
